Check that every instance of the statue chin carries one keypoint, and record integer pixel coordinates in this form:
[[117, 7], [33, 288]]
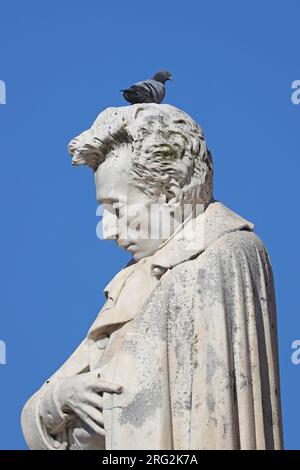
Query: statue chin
[[138, 253]]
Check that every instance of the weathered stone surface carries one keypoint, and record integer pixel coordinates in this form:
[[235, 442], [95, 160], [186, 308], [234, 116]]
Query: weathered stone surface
[[188, 328]]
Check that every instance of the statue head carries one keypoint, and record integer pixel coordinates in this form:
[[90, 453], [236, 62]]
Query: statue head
[[145, 156]]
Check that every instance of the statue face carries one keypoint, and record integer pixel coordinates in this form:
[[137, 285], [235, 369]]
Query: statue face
[[137, 222]]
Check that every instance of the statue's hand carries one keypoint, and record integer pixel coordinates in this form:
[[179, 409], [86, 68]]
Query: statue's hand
[[82, 395]]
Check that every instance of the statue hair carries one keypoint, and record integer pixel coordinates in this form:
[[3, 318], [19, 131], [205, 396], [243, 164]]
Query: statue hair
[[183, 172]]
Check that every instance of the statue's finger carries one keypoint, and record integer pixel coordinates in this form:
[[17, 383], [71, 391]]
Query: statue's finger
[[104, 386]]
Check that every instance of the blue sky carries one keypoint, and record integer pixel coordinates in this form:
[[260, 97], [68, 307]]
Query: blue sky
[[233, 64]]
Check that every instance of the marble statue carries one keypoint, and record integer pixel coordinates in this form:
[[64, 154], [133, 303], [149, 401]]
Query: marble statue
[[183, 354]]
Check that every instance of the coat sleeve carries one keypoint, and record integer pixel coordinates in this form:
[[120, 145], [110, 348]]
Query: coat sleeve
[[223, 358], [44, 425]]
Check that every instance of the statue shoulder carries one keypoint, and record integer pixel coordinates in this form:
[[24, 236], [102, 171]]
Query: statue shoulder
[[237, 249]]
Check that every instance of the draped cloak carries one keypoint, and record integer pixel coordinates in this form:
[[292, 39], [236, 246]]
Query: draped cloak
[[190, 333]]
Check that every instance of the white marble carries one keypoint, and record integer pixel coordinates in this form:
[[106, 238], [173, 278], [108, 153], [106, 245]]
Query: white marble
[[183, 354]]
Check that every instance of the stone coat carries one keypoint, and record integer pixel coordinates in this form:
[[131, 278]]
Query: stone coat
[[191, 334]]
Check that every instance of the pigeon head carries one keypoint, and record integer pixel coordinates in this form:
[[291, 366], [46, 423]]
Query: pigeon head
[[162, 76]]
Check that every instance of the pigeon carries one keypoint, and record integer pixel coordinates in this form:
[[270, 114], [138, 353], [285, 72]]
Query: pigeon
[[148, 91]]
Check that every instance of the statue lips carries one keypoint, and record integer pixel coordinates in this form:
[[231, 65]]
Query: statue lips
[[127, 246]]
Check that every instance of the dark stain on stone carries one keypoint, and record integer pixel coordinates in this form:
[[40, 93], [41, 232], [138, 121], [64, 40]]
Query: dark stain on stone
[[144, 404]]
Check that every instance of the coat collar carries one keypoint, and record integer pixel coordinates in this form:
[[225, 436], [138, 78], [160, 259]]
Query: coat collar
[[195, 235], [190, 239]]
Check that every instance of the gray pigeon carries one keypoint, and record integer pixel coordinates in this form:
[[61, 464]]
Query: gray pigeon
[[148, 91]]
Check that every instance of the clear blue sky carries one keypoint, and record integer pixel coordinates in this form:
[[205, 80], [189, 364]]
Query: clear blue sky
[[63, 62]]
